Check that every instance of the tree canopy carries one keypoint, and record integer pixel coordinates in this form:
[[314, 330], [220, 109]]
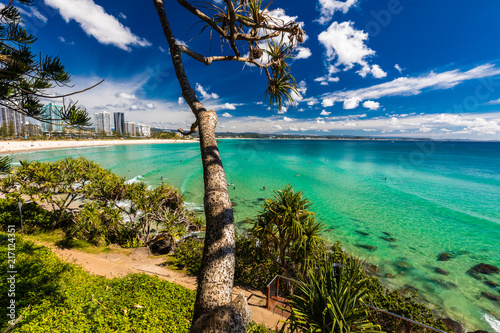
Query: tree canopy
[[25, 77]]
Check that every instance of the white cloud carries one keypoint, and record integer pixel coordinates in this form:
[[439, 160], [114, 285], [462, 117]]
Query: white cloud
[[407, 86], [180, 101], [31, 11], [371, 105], [126, 96], [327, 102], [329, 7], [204, 95], [123, 16], [287, 119], [94, 20], [351, 103], [325, 113], [229, 106], [282, 110], [400, 70], [494, 102], [278, 127], [180, 42], [162, 50], [294, 129], [150, 106], [227, 115], [303, 53], [347, 46]]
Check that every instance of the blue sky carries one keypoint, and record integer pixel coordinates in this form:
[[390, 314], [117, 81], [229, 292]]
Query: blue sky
[[380, 68]]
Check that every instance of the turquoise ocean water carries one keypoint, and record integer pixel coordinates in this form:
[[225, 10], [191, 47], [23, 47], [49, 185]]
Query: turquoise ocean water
[[424, 198]]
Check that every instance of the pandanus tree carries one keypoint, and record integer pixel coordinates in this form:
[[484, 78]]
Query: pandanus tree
[[248, 28], [26, 78]]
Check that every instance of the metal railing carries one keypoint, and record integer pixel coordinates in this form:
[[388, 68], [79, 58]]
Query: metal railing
[[278, 292]]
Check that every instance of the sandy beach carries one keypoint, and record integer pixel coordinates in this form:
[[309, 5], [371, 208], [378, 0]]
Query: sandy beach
[[7, 146]]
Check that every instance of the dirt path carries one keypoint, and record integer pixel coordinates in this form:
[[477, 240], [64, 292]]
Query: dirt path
[[139, 260]]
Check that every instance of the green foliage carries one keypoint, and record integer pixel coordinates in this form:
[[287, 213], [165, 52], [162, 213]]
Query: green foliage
[[53, 296], [253, 327], [113, 210], [253, 267], [288, 231], [330, 302], [5, 162], [35, 218], [25, 76], [188, 255], [403, 303]]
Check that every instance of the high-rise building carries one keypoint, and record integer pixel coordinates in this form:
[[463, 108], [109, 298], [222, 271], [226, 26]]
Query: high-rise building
[[103, 122], [143, 130], [52, 111], [10, 116], [130, 128], [119, 123]]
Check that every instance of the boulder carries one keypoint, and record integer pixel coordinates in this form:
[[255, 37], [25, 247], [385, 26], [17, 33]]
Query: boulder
[[388, 239], [367, 247], [162, 244], [491, 284], [445, 256], [441, 271], [362, 233], [484, 269], [370, 269], [455, 326], [389, 275], [491, 296]]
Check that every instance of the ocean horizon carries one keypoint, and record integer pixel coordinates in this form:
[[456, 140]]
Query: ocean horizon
[[396, 204]]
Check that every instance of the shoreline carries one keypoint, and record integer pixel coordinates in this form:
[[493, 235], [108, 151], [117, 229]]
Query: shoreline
[[7, 147]]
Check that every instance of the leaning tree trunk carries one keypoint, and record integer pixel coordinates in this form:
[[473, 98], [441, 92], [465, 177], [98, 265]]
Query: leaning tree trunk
[[213, 310]]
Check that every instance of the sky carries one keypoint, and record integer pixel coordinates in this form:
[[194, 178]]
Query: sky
[[395, 68]]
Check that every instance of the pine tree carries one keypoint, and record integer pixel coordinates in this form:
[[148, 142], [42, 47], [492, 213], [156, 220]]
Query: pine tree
[[25, 76]]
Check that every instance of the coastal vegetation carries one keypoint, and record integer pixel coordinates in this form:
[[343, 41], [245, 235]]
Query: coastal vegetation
[[91, 203]]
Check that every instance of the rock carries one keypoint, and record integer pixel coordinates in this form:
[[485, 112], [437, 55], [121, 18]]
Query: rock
[[387, 234], [388, 239], [441, 271], [234, 204], [445, 256], [389, 275], [393, 246], [453, 325], [370, 269], [491, 284], [362, 233], [367, 247], [443, 284], [261, 199], [161, 244], [401, 264], [491, 296], [484, 269], [140, 253]]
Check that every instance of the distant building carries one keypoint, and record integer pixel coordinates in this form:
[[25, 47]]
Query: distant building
[[33, 129], [103, 122], [130, 128], [52, 111], [119, 123], [143, 130], [10, 116]]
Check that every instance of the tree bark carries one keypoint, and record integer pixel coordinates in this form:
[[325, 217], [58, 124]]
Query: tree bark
[[215, 281]]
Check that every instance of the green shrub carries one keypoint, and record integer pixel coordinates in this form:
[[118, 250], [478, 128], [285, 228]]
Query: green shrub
[[258, 328], [53, 296], [253, 266], [188, 255], [35, 218]]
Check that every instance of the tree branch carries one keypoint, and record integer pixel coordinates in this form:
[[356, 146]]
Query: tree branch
[[194, 129], [202, 16]]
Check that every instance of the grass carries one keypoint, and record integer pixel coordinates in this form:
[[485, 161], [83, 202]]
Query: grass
[[57, 238], [55, 296]]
